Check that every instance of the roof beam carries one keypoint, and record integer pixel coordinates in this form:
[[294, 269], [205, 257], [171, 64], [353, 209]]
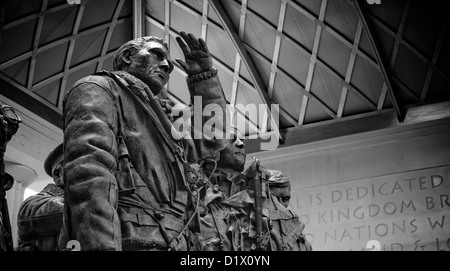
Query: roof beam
[[312, 17], [403, 87], [382, 97], [219, 64], [394, 52], [340, 127], [312, 62], [57, 42], [349, 86], [311, 96], [332, 72], [204, 32], [414, 50], [368, 122], [29, 100], [239, 45], [19, 88], [333, 32], [320, 63], [110, 32], [276, 50], [373, 43], [138, 21], [69, 54], [35, 15], [237, 62], [350, 67], [37, 36], [167, 13], [434, 60], [399, 36], [73, 69], [16, 59]]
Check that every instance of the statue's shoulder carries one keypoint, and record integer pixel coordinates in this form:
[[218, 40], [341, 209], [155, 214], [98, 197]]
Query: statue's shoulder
[[53, 190], [101, 78], [104, 80]]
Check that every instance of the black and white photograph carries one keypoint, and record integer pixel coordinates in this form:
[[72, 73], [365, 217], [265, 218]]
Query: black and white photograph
[[239, 127]]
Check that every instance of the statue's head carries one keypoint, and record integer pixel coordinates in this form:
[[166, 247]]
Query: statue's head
[[279, 185], [148, 59], [53, 164], [9, 123], [233, 156]]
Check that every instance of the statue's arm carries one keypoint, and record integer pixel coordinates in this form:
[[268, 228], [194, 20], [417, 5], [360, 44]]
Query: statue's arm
[[90, 163], [207, 100]]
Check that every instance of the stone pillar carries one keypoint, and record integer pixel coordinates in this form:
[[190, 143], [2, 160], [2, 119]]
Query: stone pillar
[[23, 177], [14, 198]]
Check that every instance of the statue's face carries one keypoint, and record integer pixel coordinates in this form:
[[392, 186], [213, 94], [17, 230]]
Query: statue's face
[[151, 65], [283, 194], [233, 156]]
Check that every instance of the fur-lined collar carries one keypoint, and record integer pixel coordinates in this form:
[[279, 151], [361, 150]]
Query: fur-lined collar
[[137, 85]]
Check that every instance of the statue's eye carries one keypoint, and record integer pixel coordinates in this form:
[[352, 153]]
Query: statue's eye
[[158, 53]]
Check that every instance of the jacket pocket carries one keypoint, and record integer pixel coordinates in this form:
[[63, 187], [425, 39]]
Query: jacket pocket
[[141, 231]]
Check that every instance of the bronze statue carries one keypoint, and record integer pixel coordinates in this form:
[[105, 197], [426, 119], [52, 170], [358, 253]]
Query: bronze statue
[[287, 229], [127, 177], [232, 215], [40, 216], [9, 124], [218, 180]]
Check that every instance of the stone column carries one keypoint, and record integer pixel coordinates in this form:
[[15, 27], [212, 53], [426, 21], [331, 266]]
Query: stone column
[[23, 177]]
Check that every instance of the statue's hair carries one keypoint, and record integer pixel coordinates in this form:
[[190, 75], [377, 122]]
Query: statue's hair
[[133, 46], [277, 178]]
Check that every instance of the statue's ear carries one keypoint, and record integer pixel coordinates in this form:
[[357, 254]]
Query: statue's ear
[[126, 57]]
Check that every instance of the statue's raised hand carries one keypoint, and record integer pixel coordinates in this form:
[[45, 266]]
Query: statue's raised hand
[[196, 54]]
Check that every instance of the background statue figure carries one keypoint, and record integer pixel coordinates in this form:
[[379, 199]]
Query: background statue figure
[[40, 217], [229, 208], [287, 229], [218, 181], [9, 123]]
